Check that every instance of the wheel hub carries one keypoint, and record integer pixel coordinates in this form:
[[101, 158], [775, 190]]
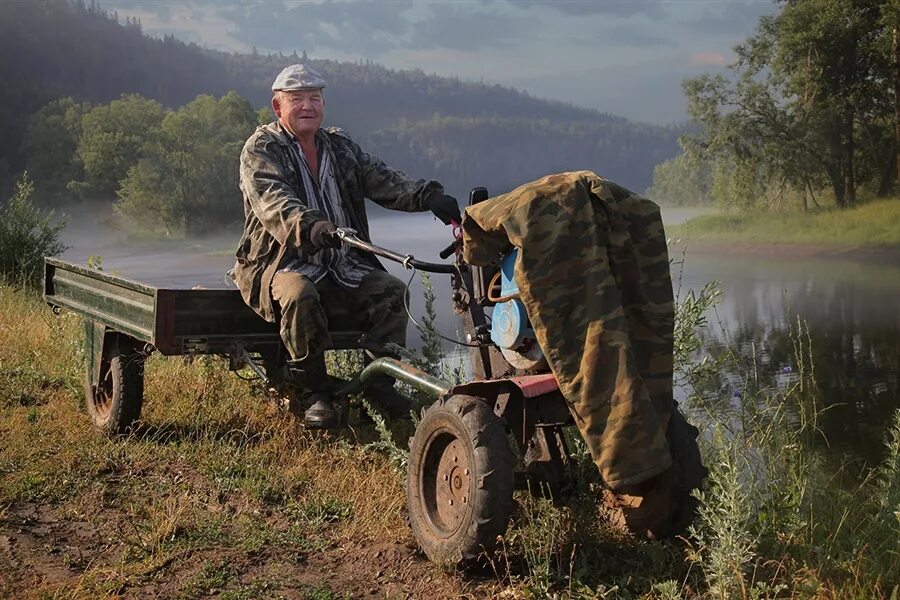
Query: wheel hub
[[102, 397], [447, 501]]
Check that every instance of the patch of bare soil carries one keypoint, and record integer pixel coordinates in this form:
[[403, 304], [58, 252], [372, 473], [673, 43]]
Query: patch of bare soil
[[389, 569], [39, 548], [43, 550]]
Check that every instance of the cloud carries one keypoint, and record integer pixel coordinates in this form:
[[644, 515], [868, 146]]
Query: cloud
[[461, 28], [196, 22], [368, 28], [372, 28], [616, 8], [730, 18], [709, 59], [624, 36], [159, 9]]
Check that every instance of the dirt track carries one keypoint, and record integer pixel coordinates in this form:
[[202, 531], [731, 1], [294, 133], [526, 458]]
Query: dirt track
[[42, 549]]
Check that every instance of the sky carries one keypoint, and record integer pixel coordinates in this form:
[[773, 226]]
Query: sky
[[623, 57]]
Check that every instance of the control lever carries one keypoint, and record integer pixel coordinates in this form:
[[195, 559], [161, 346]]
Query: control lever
[[457, 235], [479, 194]]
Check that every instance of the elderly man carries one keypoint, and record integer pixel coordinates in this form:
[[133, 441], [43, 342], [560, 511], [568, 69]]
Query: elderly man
[[300, 182]]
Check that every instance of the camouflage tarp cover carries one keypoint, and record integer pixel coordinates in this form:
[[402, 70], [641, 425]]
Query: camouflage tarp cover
[[593, 273]]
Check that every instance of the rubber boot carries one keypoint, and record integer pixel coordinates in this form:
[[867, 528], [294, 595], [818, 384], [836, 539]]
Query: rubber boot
[[311, 375], [646, 510], [321, 415]]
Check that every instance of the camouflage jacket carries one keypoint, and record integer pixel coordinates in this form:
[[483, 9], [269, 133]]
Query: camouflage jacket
[[593, 274], [277, 214]]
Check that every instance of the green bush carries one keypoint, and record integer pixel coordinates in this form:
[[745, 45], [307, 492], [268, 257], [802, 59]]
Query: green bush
[[27, 235]]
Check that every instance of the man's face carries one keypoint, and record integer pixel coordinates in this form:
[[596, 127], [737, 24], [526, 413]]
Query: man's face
[[301, 111]]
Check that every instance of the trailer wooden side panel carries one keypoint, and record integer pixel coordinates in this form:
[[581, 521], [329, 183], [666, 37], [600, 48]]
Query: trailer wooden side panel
[[118, 303], [173, 321]]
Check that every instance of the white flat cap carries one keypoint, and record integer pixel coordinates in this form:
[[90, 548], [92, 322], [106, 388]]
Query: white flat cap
[[298, 77]]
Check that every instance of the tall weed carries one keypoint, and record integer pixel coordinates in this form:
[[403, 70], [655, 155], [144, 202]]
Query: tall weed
[[723, 532], [772, 517], [27, 235]]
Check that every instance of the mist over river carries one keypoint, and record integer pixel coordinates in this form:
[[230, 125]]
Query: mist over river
[[852, 308]]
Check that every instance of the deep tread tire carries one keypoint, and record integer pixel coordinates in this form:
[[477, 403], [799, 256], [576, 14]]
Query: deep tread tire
[[462, 427], [115, 404]]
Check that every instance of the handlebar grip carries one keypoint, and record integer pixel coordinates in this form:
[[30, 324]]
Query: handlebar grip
[[446, 252]]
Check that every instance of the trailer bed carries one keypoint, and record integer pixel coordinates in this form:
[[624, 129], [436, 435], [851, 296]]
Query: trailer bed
[[173, 320]]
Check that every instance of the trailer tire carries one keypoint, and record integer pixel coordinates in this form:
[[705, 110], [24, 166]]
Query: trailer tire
[[114, 404], [459, 489]]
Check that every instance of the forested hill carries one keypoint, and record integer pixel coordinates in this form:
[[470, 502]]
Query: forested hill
[[376, 96], [463, 132]]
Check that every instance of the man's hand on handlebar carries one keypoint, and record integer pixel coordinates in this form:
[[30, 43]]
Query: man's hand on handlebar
[[348, 237], [324, 235], [445, 208]]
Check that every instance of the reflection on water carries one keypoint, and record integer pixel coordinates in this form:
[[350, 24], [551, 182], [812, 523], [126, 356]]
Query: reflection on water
[[852, 310], [853, 320]]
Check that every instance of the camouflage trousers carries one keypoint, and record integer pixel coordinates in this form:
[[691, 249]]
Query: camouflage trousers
[[308, 309]]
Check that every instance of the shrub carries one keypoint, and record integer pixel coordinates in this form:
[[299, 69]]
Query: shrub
[[27, 235]]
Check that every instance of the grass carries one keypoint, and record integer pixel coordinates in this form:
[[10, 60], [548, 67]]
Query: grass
[[214, 466], [872, 224], [220, 493]]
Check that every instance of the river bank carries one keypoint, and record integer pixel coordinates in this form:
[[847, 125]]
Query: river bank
[[869, 231]]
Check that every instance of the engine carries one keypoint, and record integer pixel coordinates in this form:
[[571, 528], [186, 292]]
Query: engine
[[511, 330]]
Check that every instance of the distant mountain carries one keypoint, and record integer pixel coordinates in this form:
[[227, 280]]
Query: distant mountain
[[371, 90], [464, 133], [501, 153]]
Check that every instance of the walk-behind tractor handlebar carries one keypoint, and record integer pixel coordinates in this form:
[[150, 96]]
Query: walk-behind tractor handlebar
[[348, 236]]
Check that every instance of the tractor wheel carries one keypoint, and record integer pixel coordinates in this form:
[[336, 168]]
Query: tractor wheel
[[114, 404], [664, 506], [459, 488]]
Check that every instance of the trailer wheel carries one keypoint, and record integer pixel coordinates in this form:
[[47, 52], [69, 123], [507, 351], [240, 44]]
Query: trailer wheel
[[114, 404], [459, 489], [663, 507]]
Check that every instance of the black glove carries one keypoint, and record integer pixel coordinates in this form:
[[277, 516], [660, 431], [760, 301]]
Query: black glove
[[323, 234], [444, 208]]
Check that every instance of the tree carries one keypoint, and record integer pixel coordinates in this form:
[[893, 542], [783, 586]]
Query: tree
[[113, 139], [892, 20], [51, 143], [188, 178], [684, 180], [810, 103]]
